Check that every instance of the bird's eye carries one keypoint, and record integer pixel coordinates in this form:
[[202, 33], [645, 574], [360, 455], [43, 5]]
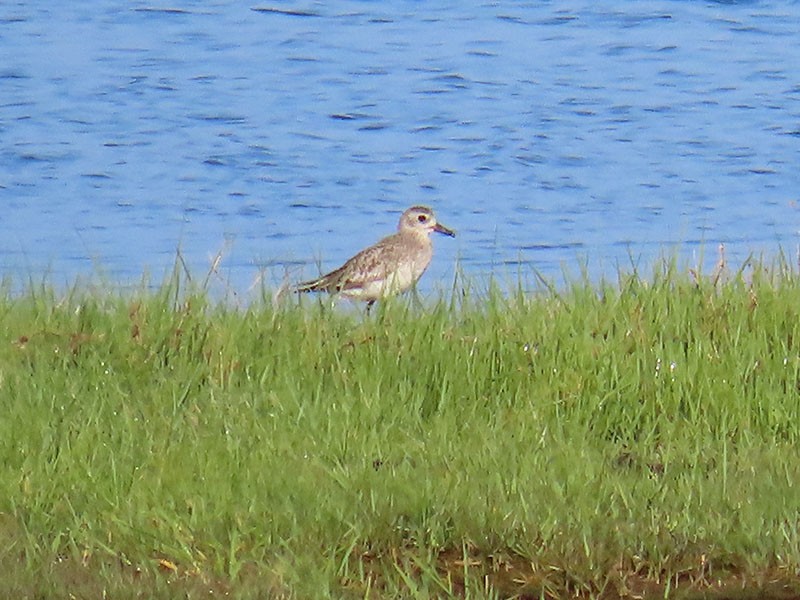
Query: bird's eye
[[422, 218]]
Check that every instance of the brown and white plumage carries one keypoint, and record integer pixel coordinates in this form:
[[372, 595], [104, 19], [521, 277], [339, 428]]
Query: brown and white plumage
[[389, 267]]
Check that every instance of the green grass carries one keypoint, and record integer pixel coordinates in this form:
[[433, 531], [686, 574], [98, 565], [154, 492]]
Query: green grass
[[635, 438]]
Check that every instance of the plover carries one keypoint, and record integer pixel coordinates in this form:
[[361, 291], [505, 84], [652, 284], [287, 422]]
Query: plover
[[389, 267]]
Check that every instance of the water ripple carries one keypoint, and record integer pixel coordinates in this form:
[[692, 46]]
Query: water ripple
[[293, 135]]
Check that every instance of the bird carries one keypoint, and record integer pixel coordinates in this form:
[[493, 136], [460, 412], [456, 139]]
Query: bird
[[390, 266]]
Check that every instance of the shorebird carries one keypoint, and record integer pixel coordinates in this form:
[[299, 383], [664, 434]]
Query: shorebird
[[389, 267]]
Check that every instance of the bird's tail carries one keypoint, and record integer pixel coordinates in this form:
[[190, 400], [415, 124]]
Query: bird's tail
[[316, 285], [326, 283]]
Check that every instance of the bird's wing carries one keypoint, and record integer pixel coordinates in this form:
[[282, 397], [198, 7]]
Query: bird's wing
[[371, 264]]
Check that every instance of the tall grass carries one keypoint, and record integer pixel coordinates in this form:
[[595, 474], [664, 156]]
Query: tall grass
[[605, 439]]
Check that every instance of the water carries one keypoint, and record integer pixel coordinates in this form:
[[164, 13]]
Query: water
[[290, 135]]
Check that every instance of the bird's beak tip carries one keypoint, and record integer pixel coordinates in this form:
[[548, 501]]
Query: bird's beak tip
[[445, 230]]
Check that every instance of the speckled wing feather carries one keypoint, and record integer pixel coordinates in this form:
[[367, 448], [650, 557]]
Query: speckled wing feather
[[372, 264], [368, 265]]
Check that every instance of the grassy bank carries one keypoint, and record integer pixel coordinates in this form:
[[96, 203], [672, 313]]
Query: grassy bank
[[629, 439]]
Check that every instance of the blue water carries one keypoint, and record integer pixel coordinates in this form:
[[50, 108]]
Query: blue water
[[289, 135]]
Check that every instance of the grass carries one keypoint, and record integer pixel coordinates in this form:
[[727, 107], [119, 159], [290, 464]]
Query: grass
[[635, 438]]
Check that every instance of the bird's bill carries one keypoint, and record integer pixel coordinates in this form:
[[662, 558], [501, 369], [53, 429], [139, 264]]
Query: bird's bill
[[445, 230]]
